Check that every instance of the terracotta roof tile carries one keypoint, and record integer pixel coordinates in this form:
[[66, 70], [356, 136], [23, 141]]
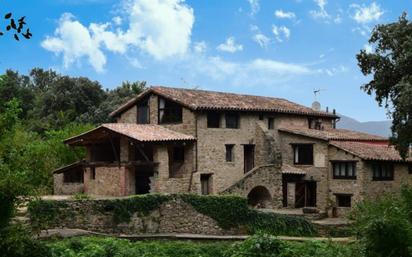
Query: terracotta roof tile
[[211, 100], [370, 151], [288, 169], [139, 132], [334, 134]]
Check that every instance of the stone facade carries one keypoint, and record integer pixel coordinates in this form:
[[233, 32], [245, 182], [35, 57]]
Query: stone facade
[[61, 188], [207, 157], [174, 216]]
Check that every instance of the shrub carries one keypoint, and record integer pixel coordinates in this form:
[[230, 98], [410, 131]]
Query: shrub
[[123, 209], [384, 225], [15, 241], [45, 213], [233, 212]]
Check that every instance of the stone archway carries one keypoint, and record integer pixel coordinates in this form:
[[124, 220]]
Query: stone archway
[[259, 197]]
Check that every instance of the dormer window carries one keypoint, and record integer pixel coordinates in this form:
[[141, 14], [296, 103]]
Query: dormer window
[[169, 112], [315, 123]]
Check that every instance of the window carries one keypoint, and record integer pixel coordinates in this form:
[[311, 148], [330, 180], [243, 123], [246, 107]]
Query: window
[[178, 154], [92, 173], [74, 176], [315, 123], [410, 168], [303, 154], [271, 123], [205, 182], [343, 200], [261, 116], [382, 171], [143, 113], [169, 112], [344, 170], [232, 120], [229, 153], [213, 120]]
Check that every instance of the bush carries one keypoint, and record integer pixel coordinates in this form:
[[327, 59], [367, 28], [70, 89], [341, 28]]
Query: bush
[[123, 209], [15, 241], [264, 245], [233, 212], [384, 225], [45, 213]]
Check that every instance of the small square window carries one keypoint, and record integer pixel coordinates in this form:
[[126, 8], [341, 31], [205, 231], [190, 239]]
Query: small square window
[[344, 169], [232, 120], [344, 200], [229, 153], [261, 116], [382, 171], [271, 123], [213, 120], [410, 168], [303, 154]]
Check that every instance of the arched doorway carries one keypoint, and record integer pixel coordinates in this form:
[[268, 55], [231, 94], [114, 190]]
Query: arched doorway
[[259, 197]]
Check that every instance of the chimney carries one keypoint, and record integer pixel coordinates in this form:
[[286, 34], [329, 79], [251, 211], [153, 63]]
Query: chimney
[[316, 106]]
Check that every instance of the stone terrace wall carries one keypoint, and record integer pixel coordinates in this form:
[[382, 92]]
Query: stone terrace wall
[[173, 216]]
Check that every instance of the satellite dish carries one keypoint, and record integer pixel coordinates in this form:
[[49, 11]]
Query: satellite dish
[[316, 106]]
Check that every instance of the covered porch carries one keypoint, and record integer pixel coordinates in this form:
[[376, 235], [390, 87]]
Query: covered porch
[[127, 159]]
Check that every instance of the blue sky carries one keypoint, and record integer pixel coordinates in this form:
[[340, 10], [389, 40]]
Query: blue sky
[[282, 48]]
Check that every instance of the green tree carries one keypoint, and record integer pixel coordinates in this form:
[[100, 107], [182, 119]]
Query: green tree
[[390, 64]]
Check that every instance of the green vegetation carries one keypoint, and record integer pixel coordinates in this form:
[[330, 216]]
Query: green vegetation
[[384, 225], [389, 65], [221, 209], [37, 112], [259, 246], [123, 209]]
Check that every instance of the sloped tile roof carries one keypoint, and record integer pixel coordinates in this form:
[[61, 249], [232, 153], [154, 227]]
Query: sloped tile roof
[[370, 151], [139, 132], [288, 169], [211, 100], [333, 134]]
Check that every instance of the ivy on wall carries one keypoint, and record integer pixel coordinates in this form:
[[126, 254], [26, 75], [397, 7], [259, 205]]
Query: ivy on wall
[[228, 211]]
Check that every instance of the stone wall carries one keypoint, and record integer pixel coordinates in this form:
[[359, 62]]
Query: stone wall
[[61, 188], [173, 216], [318, 171], [109, 181], [267, 176]]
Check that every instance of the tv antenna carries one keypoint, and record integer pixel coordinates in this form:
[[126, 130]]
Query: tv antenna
[[316, 92]]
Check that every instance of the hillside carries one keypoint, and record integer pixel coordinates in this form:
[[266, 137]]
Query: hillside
[[382, 128]]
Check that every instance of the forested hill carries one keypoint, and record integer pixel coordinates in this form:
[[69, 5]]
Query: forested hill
[[50, 101], [37, 112]]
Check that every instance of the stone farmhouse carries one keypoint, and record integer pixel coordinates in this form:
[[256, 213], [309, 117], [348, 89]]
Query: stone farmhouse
[[274, 152]]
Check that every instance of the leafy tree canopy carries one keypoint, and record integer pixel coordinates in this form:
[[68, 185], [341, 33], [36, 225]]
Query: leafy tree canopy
[[390, 65]]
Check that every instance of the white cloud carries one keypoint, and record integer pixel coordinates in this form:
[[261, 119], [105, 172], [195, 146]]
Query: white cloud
[[117, 20], [281, 33], [254, 6], [366, 14], [368, 48], [199, 47], [160, 28], [333, 71], [74, 41], [261, 39], [257, 72], [230, 46], [321, 13], [284, 15]]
